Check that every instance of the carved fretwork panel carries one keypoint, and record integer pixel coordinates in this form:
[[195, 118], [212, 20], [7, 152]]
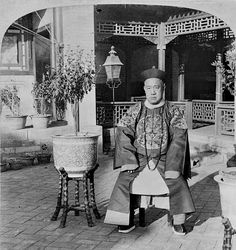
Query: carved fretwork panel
[[204, 111], [202, 37], [228, 33], [226, 121], [129, 28], [196, 24]]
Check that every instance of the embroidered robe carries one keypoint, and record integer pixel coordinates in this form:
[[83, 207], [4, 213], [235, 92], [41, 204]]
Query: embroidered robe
[[144, 134]]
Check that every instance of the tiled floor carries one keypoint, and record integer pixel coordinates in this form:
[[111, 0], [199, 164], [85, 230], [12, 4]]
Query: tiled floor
[[28, 200]]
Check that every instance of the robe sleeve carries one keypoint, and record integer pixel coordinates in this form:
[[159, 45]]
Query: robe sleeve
[[178, 155], [125, 152]]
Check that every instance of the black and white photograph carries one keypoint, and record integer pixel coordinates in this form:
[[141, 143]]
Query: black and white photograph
[[117, 125]]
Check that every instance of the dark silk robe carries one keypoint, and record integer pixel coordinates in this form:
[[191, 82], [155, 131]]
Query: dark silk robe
[[164, 132]]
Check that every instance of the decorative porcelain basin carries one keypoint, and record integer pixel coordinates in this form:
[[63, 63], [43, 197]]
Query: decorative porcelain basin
[[75, 153]]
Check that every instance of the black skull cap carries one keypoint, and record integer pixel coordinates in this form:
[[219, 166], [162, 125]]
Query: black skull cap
[[153, 73]]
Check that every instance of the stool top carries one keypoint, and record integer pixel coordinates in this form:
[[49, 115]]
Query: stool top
[[78, 173]]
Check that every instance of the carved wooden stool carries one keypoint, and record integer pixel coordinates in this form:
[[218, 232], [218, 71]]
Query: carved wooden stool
[[228, 232], [87, 179]]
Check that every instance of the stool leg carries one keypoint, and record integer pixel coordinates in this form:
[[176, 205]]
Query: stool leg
[[92, 196], [86, 200], [228, 232], [65, 201], [77, 197], [58, 207], [142, 217]]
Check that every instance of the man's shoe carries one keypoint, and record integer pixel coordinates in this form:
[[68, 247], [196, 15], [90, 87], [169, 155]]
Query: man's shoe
[[179, 229], [126, 229]]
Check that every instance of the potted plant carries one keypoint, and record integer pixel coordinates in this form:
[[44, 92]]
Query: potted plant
[[42, 98], [44, 156], [227, 177], [227, 69], [72, 80], [10, 98]]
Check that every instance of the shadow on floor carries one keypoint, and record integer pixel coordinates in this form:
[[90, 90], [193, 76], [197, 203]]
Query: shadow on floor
[[206, 197]]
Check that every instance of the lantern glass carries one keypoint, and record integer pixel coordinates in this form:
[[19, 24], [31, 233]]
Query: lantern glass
[[113, 71]]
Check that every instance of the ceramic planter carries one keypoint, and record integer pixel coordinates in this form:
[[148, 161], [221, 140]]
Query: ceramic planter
[[16, 122], [75, 153], [227, 184], [4, 166], [40, 121], [21, 161], [44, 158]]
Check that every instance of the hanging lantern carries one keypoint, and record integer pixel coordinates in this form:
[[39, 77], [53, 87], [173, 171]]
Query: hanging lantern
[[112, 66]]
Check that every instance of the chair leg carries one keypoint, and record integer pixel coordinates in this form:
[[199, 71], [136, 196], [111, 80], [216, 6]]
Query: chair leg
[[170, 219], [142, 222], [92, 196], [65, 201], [59, 197], [86, 201]]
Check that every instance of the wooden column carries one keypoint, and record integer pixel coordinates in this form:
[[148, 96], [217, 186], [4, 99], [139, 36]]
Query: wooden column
[[181, 83], [218, 79], [56, 38], [161, 46]]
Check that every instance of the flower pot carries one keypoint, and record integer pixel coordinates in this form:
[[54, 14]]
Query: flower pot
[[44, 158], [40, 121], [26, 160], [227, 184], [16, 122], [16, 164], [75, 153], [20, 161], [4, 167]]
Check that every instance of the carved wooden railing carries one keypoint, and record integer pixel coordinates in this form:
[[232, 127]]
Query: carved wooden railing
[[204, 110], [225, 118], [109, 114], [197, 110]]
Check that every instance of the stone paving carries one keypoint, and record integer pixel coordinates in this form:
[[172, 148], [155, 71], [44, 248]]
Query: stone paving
[[28, 200]]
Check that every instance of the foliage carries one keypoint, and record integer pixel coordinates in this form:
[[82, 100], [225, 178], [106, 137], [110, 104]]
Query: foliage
[[227, 70], [73, 78], [42, 92], [69, 82], [74, 75], [10, 98]]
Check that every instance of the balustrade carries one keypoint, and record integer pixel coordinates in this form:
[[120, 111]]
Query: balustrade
[[204, 110], [225, 119], [106, 111], [197, 110]]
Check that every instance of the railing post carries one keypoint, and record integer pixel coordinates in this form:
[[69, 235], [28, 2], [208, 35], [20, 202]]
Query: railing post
[[181, 83], [189, 114], [218, 79], [217, 120]]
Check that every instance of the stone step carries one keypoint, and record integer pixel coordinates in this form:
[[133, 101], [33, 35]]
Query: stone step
[[22, 149], [16, 143]]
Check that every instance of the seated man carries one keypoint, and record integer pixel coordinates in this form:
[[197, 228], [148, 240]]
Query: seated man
[[152, 135]]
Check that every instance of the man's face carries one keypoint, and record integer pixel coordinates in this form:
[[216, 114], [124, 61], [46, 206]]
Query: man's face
[[154, 88]]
